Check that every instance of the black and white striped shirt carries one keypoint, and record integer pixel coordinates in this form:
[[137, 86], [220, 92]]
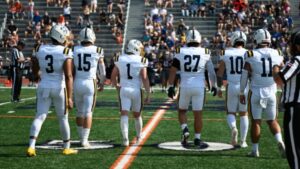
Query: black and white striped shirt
[[15, 55], [290, 75]]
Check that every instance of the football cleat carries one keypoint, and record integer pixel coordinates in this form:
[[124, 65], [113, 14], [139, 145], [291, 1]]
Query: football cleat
[[234, 136], [125, 142], [85, 144], [244, 144], [253, 154], [281, 148], [69, 151], [199, 143], [185, 136], [30, 152]]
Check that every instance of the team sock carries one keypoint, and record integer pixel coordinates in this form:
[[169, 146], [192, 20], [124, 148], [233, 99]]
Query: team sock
[[244, 125], [138, 126], [278, 137], [231, 121], [124, 126], [183, 126], [85, 134], [197, 135]]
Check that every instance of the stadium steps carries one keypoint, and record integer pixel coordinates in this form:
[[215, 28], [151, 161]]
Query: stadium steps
[[104, 37]]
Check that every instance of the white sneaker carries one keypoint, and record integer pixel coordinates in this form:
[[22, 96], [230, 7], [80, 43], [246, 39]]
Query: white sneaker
[[234, 136], [253, 154], [281, 148], [244, 144], [125, 142]]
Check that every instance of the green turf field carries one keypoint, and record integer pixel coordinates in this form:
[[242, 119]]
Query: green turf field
[[14, 133]]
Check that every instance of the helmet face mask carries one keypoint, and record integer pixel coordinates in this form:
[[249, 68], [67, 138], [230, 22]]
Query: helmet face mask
[[87, 35], [238, 36], [262, 36], [193, 36], [135, 46], [59, 33]]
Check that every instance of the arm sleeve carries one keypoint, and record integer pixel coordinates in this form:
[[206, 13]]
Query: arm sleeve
[[176, 63], [290, 69], [211, 73]]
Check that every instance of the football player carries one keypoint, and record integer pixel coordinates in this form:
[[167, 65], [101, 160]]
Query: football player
[[53, 65], [131, 68], [262, 94], [87, 57], [232, 60], [191, 62]]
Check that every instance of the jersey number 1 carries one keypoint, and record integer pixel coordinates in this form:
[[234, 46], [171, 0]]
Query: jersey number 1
[[128, 71]]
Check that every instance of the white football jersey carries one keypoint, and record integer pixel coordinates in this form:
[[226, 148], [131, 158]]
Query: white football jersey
[[51, 59], [86, 61], [262, 61], [129, 69], [234, 63], [192, 66]]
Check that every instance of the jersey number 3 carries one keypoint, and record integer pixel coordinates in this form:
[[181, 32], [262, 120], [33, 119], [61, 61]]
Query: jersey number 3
[[49, 68]]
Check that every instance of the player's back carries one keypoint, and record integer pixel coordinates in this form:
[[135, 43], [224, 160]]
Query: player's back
[[51, 60], [129, 69], [234, 63], [192, 66], [86, 61], [262, 61]]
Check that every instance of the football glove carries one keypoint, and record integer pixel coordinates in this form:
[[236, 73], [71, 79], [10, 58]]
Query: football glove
[[171, 92]]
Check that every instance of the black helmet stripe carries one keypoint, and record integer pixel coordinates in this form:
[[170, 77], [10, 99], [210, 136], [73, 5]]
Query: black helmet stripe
[[266, 35], [193, 33], [85, 34], [241, 36]]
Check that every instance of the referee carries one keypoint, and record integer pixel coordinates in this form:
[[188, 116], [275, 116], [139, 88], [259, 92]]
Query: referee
[[289, 77], [17, 66]]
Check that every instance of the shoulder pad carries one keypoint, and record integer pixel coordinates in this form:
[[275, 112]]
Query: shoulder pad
[[66, 51], [250, 53], [37, 48], [177, 50], [116, 58], [144, 60], [99, 50], [207, 51], [279, 52], [222, 52]]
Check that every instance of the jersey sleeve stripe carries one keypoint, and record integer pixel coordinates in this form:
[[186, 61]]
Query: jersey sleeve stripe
[[95, 95], [37, 48], [66, 51]]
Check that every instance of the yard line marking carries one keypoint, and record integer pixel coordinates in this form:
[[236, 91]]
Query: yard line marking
[[129, 154], [10, 112], [5, 103]]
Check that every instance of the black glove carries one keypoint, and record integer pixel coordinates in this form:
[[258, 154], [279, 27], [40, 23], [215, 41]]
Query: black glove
[[171, 92], [214, 91]]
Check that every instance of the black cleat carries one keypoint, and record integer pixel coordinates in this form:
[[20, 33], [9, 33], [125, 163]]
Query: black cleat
[[200, 144], [185, 136]]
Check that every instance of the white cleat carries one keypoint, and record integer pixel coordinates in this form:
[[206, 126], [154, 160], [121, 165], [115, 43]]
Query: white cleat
[[125, 142], [234, 136], [86, 144], [244, 144]]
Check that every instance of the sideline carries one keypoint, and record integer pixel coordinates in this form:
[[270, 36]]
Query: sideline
[[30, 98], [129, 154]]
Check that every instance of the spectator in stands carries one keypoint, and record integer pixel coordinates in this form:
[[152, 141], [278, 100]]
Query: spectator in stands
[[170, 20], [67, 10], [61, 20], [28, 30], [94, 6], [112, 20], [37, 31], [163, 13], [84, 3], [79, 21], [212, 8], [182, 27], [286, 6], [109, 4], [46, 20], [185, 8], [36, 18], [19, 9], [13, 39], [120, 21], [30, 9], [102, 17], [121, 6], [12, 27], [193, 9], [147, 3], [169, 3], [12, 10], [202, 10], [86, 15], [154, 12], [159, 3], [119, 37]]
